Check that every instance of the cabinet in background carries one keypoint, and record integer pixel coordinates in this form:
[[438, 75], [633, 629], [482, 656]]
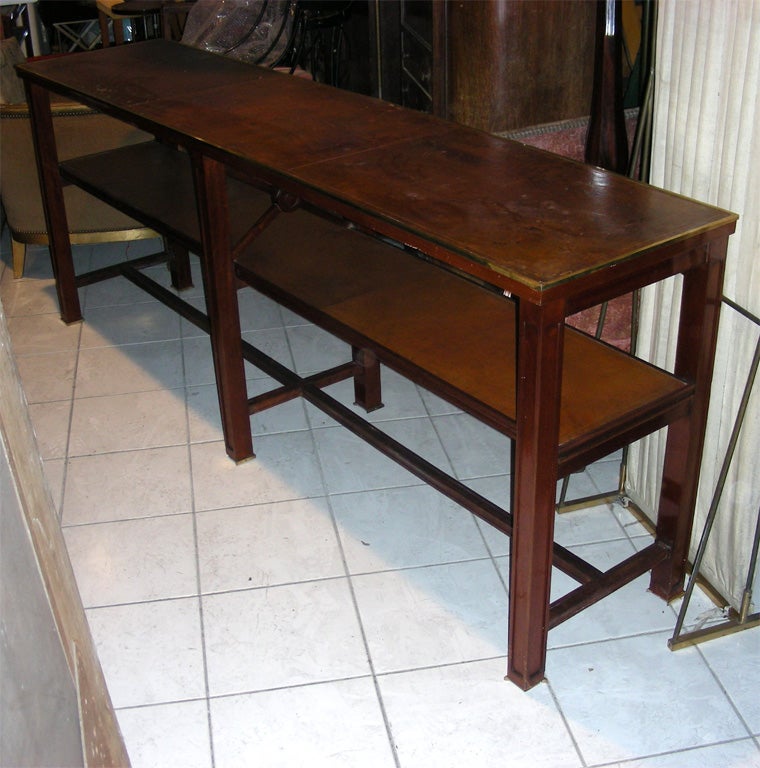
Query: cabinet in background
[[492, 64]]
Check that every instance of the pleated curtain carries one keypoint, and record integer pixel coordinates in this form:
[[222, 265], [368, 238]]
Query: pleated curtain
[[706, 145]]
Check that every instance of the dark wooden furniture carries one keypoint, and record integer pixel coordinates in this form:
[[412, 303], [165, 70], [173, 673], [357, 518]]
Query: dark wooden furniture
[[607, 141], [497, 65], [496, 244], [160, 18]]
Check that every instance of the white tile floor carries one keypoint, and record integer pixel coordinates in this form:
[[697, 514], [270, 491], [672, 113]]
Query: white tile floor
[[318, 606]]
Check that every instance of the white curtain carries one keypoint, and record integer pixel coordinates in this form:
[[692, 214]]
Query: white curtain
[[706, 145]]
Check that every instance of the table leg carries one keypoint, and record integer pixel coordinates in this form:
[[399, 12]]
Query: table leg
[[367, 384], [179, 264], [46, 152], [695, 357], [535, 453], [222, 306]]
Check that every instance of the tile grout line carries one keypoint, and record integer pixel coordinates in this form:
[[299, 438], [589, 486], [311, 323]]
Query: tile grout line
[[199, 589], [566, 722], [473, 517], [635, 762], [355, 603], [728, 696], [377, 677], [67, 452]]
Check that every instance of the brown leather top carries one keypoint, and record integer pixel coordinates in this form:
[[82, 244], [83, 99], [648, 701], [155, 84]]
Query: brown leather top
[[531, 220]]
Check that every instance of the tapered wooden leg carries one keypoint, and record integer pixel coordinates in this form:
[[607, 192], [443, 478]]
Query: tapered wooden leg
[[222, 306], [695, 358], [535, 453], [367, 386], [46, 152]]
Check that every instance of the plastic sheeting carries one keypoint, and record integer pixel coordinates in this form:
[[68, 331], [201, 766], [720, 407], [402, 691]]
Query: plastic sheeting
[[254, 31]]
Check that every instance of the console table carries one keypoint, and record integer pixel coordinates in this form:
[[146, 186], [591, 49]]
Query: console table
[[450, 254]]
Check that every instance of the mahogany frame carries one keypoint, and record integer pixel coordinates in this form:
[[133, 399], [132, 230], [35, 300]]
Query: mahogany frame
[[153, 86]]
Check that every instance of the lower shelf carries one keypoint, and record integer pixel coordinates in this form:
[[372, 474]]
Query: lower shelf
[[452, 336], [153, 183], [436, 328]]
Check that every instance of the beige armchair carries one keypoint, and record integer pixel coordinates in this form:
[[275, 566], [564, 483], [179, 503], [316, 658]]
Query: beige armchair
[[79, 130]]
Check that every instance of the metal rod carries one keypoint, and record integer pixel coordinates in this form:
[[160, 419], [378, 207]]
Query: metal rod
[[747, 597], [642, 127]]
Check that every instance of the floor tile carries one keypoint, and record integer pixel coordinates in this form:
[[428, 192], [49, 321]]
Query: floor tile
[[129, 484], [282, 636], [272, 342], [403, 527], [496, 541], [205, 421], [203, 417], [602, 522], [167, 735], [285, 468], [734, 754], [151, 653], [48, 377], [37, 334], [581, 485], [496, 489], [291, 319], [292, 643], [132, 561], [677, 702], [466, 714], [329, 725], [30, 297], [401, 400], [55, 470], [434, 615], [437, 406], [257, 312], [605, 474], [633, 524], [286, 417], [474, 449], [128, 422], [350, 464], [315, 350], [194, 297], [129, 368], [116, 292], [129, 324], [199, 362], [51, 427], [588, 526], [266, 545], [160, 273], [736, 661], [631, 610], [107, 254]]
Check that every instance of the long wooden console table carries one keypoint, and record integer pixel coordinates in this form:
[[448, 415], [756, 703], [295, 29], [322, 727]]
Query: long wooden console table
[[442, 251]]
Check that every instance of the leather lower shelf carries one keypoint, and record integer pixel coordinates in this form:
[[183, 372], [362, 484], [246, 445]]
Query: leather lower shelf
[[153, 183], [452, 336], [438, 329]]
